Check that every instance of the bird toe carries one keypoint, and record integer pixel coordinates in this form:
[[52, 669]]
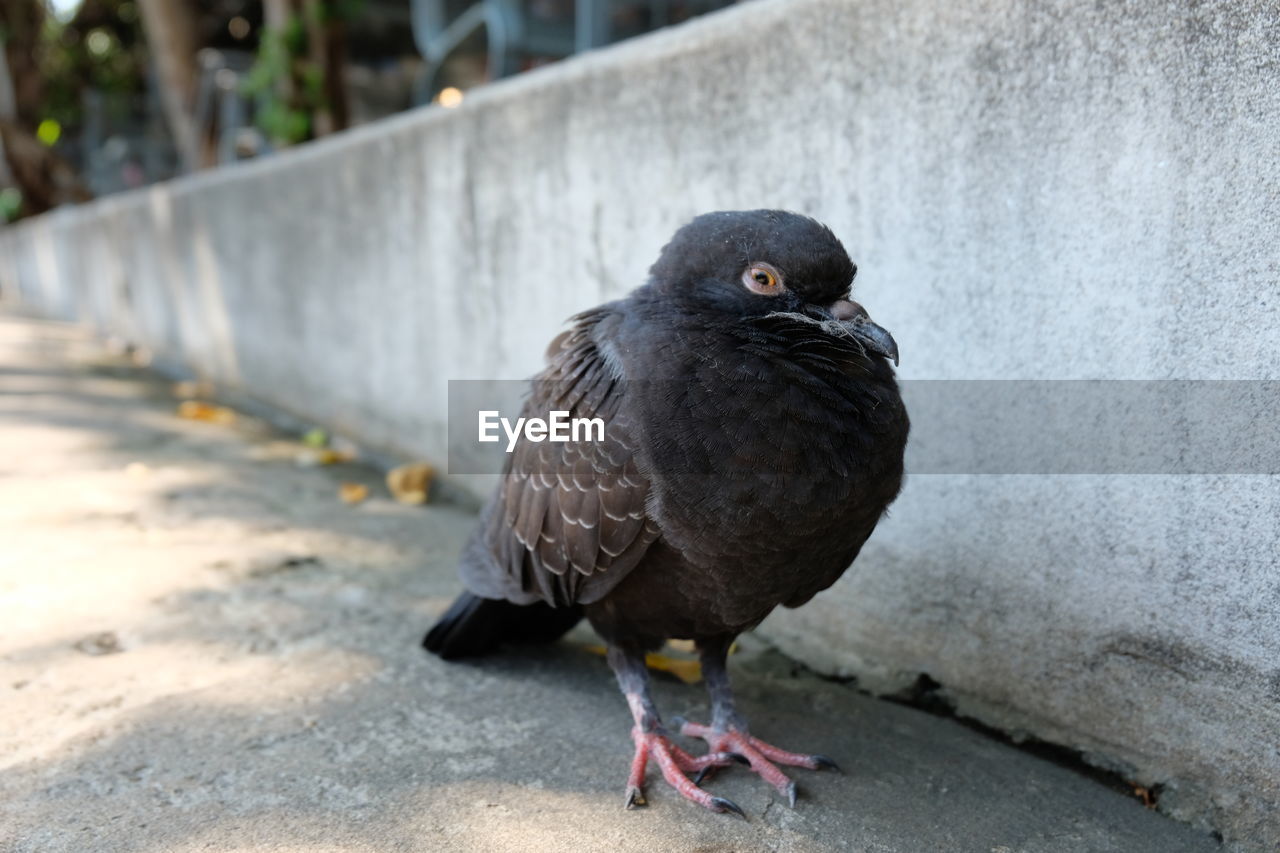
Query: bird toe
[[722, 805], [635, 798]]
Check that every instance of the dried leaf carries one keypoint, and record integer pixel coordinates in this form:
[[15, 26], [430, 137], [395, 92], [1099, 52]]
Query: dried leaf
[[687, 670], [689, 647], [411, 484], [353, 493], [193, 410]]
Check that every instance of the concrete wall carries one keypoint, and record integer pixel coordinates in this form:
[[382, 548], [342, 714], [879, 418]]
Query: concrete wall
[[1048, 191]]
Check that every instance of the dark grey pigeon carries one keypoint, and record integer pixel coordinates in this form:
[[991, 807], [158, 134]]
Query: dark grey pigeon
[[754, 436]]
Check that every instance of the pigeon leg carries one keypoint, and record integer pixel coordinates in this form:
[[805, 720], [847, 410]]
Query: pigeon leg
[[652, 740], [728, 730]]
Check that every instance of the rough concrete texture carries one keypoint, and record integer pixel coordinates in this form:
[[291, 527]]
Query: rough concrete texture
[[1052, 190], [203, 648]]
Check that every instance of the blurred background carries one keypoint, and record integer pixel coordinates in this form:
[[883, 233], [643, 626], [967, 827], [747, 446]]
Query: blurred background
[[99, 96]]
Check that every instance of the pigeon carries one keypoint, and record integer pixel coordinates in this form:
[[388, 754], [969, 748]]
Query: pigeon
[[753, 437]]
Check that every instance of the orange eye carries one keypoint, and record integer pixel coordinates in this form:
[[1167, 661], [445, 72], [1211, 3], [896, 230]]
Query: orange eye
[[762, 279]]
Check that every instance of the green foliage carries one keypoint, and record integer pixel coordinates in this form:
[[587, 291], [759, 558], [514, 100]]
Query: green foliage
[[285, 120], [106, 53], [316, 438], [10, 204], [286, 85], [343, 10]]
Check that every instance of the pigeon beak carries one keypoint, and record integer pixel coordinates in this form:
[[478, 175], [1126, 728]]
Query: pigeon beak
[[875, 338]]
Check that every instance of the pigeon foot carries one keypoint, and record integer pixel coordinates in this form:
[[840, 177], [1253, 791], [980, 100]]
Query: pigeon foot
[[674, 763], [762, 757]]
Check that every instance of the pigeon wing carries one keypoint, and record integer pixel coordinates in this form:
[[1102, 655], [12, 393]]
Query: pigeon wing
[[568, 521]]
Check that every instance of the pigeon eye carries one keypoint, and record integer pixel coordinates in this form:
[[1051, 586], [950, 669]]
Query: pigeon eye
[[763, 279]]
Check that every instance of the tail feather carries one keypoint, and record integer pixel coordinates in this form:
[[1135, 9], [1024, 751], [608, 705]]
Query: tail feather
[[475, 626]]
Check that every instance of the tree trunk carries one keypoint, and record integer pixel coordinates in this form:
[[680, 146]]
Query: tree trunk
[[45, 179], [171, 37], [327, 50]]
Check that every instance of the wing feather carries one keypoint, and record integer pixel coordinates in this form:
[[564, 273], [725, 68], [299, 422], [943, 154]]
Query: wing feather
[[568, 521]]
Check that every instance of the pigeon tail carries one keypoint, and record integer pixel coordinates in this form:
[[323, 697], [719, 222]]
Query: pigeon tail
[[475, 626]]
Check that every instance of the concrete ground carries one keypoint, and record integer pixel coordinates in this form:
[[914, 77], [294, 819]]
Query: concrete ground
[[203, 647]]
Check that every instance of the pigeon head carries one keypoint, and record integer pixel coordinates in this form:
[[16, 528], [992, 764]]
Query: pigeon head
[[767, 263]]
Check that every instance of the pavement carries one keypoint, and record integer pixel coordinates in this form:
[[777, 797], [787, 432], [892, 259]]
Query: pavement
[[202, 647]]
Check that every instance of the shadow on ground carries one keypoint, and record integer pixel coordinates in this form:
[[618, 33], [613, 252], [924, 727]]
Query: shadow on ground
[[205, 649]]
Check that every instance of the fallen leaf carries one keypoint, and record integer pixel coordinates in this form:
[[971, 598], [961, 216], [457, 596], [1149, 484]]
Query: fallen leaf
[[687, 670], [194, 410], [353, 493], [689, 647], [411, 484], [315, 438]]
